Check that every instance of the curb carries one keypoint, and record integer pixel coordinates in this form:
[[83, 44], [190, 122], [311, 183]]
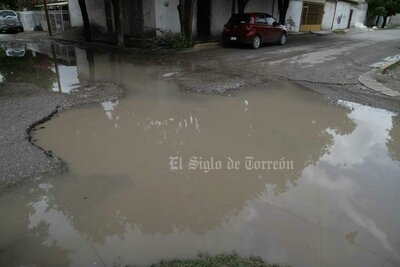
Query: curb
[[368, 80], [206, 45]]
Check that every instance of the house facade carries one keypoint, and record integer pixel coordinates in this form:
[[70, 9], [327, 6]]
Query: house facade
[[142, 17]]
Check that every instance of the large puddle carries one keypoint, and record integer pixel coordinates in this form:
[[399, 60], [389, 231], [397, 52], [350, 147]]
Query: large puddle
[[275, 172]]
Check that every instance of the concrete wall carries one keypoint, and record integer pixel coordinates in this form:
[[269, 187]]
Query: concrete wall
[[221, 11], [149, 16], [166, 15], [259, 6], [30, 19], [97, 14], [75, 13], [395, 20], [96, 10], [329, 12], [359, 14], [293, 15], [342, 15]]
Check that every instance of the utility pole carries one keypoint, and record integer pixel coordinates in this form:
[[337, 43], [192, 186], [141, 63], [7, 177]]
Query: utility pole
[[46, 12]]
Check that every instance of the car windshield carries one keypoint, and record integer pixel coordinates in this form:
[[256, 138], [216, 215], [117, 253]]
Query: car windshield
[[7, 13], [239, 18]]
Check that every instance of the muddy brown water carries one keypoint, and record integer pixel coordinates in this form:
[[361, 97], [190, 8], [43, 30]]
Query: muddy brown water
[[275, 172]]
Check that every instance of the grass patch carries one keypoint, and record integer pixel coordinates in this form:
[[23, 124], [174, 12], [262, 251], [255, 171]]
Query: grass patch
[[393, 66], [392, 26], [339, 31], [222, 260]]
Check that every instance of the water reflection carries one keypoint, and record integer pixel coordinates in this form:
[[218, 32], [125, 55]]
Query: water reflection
[[120, 203], [394, 141], [49, 66]]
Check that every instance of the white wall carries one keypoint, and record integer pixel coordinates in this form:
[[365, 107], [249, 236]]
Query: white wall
[[97, 14], [293, 15], [221, 11], [75, 13], [167, 16], [395, 19], [149, 16], [96, 10], [258, 6], [342, 15], [329, 12], [30, 19], [359, 14]]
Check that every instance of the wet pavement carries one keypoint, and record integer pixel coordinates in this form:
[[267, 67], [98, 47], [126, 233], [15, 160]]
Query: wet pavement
[[272, 170], [32, 76]]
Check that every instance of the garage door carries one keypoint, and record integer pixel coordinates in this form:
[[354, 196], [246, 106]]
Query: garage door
[[311, 17]]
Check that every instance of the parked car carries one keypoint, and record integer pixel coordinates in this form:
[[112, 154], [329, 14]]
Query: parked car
[[14, 49], [9, 21], [254, 29]]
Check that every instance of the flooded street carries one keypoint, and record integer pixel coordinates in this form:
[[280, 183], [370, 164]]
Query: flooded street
[[276, 171]]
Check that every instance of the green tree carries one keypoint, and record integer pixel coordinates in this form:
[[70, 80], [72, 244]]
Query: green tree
[[283, 6], [185, 9], [384, 8], [86, 24], [8, 4]]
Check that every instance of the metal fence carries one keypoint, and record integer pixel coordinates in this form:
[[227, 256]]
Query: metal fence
[[59, 20]]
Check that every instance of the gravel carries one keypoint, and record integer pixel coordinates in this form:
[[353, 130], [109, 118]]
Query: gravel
[[24, 106]]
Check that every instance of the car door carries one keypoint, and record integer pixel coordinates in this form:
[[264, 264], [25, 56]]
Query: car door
[[274, 29], [261, 27]]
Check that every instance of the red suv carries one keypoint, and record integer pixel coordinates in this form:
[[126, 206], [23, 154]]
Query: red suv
[[254, 29]]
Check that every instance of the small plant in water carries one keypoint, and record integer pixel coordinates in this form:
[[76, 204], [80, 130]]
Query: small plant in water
[[222, 260]]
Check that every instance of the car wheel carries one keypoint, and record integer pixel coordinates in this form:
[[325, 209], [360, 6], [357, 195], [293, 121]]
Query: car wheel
[[282, 40], [256, 42]]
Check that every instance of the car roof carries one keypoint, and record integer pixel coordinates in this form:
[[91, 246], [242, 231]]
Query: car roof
[[4, 10]]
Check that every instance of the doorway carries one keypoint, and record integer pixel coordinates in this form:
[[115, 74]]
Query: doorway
[[350, 17], [203, 19], [311, 17]]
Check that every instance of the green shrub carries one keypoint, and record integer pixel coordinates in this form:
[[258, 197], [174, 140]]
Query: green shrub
[[222, 260], [172, 40]]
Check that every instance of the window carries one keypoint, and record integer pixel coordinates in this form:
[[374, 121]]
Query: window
[[270, 20], [261, 19], [239, 18]]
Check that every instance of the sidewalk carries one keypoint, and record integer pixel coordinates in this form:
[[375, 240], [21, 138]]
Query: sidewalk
[[378, 80]]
